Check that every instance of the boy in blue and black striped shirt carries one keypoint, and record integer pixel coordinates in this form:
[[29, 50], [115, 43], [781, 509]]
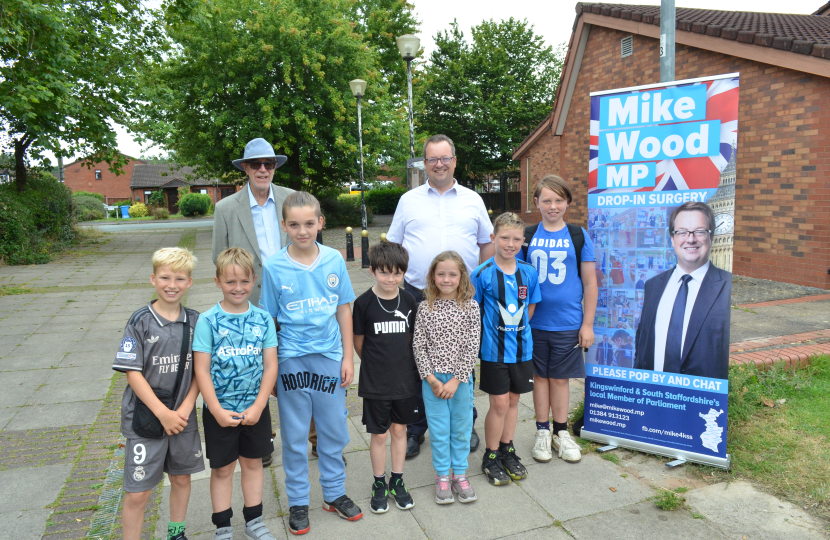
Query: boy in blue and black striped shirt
[[507, 291]]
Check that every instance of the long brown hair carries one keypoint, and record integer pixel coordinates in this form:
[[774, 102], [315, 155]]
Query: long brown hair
[[465, 287]]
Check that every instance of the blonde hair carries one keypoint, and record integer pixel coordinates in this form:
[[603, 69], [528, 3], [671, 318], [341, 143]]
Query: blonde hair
[[234, 257], [178, 259], [299, 199], [556, 184], [508, 220], [465, 287]]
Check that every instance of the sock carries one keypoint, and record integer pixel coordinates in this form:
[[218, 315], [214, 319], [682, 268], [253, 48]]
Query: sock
[[543, 425], [381, 478], [504, 447], [559, 426], [174, 529], [488, 451], [223, 518], [395, 476], [250, 513]]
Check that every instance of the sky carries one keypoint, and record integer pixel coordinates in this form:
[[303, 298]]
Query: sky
[[552, 19]]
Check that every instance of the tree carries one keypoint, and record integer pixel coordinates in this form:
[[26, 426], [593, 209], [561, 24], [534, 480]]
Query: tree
[[277, 69], [67, 73], [488, 95]]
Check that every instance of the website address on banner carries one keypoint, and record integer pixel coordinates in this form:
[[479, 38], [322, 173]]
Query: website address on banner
[[615, 409], [608, 422], [667, 433]]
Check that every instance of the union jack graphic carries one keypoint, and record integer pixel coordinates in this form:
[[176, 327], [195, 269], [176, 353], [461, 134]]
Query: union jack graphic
[[689, 173]]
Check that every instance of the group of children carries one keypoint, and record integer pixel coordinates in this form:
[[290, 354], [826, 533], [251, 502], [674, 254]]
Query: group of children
[[298, 345]]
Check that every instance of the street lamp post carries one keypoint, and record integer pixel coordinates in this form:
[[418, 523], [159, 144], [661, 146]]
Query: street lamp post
[[358, 87], [408, 45]]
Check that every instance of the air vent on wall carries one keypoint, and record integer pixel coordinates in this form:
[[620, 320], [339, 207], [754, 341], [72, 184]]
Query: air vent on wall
[[626, 46]]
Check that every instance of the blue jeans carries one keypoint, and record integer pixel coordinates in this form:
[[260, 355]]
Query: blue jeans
[[450, 425]]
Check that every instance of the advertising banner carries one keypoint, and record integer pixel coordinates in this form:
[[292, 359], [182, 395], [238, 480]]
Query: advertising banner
[[652, 149]]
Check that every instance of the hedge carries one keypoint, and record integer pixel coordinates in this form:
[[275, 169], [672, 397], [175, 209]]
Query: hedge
[[88, 194], [384, 200], [87, 208], [343, 211], [139, 210], [194, 204]]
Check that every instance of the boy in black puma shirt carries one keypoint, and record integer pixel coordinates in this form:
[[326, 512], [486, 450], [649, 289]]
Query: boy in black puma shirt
[[384, 318]]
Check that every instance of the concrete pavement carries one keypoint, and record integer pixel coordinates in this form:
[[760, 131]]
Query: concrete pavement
[[59, 419]]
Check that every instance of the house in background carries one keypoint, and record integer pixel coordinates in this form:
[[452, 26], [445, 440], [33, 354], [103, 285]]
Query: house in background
[[780, 178], [169, 177], [97, 178]]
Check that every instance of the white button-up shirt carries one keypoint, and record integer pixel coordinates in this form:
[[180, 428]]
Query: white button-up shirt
[[266, 224], [664, 309], [427, 223]]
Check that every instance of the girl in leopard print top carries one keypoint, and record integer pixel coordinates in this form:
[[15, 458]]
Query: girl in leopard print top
[[445, 344]]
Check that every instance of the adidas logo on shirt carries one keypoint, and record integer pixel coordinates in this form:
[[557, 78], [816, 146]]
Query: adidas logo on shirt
[[551, 242]]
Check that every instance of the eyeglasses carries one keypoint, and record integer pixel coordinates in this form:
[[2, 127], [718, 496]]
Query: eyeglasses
[[255, 165], [700, 234], [433, 160]]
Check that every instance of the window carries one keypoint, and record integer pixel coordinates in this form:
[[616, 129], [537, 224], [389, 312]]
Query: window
[[203, 191], [626, 46], [5, 178], [98, 174], [147, 195]]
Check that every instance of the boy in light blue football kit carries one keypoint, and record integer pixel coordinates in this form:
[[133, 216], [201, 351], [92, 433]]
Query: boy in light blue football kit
[[507, 291], [307, 289]]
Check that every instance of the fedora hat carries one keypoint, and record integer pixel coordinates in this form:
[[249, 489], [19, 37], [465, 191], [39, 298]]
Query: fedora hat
[[258, 148]]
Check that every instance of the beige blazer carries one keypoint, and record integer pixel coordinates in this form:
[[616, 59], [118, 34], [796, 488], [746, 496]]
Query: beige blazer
[[233, 226]]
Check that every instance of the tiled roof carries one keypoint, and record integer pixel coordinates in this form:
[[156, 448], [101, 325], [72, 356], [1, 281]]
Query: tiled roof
[[823, 10], [155, 175], [802, 34]]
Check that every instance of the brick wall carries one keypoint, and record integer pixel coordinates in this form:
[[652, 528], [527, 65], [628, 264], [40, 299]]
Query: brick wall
[[78, 177], [782, 196]]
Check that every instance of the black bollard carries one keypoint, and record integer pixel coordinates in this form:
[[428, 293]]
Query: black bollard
[[364, 247], [349, 245], [320, 237]]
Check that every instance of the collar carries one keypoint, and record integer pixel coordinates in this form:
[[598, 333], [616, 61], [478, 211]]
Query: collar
[[252, 200], [452, 188], [697, 275], [164, 322]]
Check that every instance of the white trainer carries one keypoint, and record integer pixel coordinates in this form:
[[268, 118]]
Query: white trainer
[[541, 450], [566, 446]]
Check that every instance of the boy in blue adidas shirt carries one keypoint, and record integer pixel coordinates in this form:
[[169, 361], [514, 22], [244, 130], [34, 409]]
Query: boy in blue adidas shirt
[[306, 288], [507, 291], [235, 357]]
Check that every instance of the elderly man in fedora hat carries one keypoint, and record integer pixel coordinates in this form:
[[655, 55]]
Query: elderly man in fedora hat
[[250, 218]]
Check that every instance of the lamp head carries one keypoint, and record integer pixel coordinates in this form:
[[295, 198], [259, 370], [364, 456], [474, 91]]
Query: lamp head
[[358, 87], [408, 45]]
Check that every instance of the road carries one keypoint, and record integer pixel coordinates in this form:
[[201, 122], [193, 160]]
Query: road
[[124, 226]]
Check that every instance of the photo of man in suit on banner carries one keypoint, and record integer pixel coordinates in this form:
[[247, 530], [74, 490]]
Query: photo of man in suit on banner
[[684, 326]]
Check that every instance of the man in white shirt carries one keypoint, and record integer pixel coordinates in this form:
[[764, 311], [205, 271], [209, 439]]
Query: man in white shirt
[[684, 326], [438, 216]]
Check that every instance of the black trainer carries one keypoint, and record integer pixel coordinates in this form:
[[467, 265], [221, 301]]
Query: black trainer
[[512, 465], [298, 519], [474, 441], [344, 507], [413, 445], [379, 495], [403, 499], [493, 469]]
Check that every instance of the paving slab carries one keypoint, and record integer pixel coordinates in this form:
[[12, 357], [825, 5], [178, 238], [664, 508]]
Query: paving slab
[[554, 532], [18, 386], [741, 511], [55, 415], [23, 497], [6, 414], [392, 524], [70, 392], [14, 362], [78, 375], [554, 486], [643, 521]]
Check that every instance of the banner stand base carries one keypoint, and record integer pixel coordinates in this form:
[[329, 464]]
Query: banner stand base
[[675, 463], [676, 455], [608, 448]]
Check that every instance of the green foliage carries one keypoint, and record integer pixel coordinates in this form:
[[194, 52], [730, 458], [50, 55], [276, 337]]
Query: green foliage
[[161, 213], [36, 224], [488, 95], [89, 194], [667, 500], [87, 208], [749, 387], [156, 198], [194, 204], [212, 209], [245, 69], [69, 73], [139, 210], [343, 211], [384, 200]]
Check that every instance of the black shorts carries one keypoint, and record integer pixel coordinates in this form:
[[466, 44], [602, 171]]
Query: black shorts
[[379, 414], [224, 445], [498, 378], [555, 355]]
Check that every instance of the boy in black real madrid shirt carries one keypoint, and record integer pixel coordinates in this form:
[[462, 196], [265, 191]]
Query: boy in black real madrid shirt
[[384, 317], [158, 416]]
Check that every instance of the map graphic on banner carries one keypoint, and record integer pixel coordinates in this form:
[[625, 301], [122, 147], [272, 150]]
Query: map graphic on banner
[[652, 149]]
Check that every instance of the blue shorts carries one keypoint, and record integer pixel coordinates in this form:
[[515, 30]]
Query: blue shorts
[[556, 354]]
